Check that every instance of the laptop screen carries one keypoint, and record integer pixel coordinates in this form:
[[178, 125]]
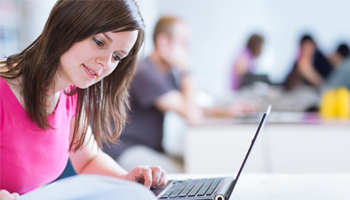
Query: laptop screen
[[261, 124]]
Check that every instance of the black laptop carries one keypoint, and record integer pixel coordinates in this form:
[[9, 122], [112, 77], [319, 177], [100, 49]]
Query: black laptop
[[219, 188]]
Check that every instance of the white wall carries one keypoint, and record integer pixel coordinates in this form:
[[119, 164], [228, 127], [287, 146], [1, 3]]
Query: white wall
[[150, 12], [221, 27], [36, 14]]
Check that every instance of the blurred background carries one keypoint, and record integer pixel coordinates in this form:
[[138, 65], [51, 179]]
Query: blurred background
[[296, 140], [220, 29]]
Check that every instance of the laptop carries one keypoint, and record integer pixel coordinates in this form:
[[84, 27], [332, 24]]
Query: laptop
[[249, 79], [219, 188]]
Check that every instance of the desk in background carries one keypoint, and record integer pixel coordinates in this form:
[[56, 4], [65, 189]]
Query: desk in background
[[312, 146], [286, 186]]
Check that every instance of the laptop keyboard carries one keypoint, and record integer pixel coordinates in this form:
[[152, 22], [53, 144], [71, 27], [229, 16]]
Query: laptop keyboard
[[192, 188]]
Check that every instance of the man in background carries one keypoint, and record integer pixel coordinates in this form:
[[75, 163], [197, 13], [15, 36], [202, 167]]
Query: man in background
[[340, 54], [340, 75], [162, 84]]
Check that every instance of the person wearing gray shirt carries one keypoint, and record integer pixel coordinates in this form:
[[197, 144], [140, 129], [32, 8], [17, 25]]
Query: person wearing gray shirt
[[339, 77], [162, 84], [154, 91]]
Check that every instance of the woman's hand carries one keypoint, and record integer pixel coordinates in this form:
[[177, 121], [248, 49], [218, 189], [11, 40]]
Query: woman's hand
[[150, 176], [5, 195]]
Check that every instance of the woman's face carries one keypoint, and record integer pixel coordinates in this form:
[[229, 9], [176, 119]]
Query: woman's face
[[92, 59], [307, 49]]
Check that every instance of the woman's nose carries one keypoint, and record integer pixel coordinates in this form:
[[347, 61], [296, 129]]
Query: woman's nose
[[104, 62]]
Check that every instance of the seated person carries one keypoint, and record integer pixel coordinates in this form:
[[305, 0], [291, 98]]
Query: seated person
[[244, 63], [311, 66], [161, 84], [342, 52], [339, 77]]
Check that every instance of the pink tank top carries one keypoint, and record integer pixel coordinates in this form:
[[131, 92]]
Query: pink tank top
[[235, 78], [29, 156]]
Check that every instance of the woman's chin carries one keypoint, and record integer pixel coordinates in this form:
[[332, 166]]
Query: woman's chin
[[84, 86]]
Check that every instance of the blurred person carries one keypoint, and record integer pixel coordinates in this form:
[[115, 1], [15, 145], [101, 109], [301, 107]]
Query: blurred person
[[342, 52], [310, 68], [52, 91], [162, 84], [340, 75], [244, 63]]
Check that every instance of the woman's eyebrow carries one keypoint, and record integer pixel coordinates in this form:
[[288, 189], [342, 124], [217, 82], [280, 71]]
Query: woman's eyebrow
[[125, 53], [108, 38]]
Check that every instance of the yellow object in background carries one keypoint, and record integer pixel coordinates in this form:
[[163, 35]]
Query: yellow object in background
[[342, 107], [327, 107], [335, 103]]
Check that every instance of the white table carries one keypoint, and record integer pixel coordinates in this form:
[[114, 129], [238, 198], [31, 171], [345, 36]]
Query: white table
[[220, 145], [263, 186]]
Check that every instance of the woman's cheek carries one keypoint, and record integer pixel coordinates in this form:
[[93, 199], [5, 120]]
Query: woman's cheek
[[108, 71]]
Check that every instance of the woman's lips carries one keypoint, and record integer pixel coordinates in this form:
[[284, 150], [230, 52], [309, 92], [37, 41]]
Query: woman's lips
[[91, 73]]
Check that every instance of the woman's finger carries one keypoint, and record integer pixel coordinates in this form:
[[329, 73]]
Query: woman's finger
[[15, 194], [163, 180], [5, 195], [146, 173], [156, 173]]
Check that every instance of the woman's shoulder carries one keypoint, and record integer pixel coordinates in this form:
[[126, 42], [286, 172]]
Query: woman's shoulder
[[13, 83], [3, 67], [71, 100]]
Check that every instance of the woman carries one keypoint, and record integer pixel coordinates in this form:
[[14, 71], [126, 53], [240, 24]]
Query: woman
[[310, 68], [66, 79], [244, 63]]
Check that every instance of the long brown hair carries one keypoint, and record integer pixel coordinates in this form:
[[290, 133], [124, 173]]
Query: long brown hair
[[105, 104]]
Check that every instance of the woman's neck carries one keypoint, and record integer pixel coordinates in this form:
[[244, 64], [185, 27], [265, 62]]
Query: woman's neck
[[16, 86]]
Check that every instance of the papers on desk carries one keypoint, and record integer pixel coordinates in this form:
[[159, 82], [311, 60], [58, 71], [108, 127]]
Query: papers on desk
[[284, 118], [297, 100], [89, 187]]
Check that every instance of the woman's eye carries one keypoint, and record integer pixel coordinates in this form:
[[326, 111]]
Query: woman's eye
[[98, 42], [116, 57]]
